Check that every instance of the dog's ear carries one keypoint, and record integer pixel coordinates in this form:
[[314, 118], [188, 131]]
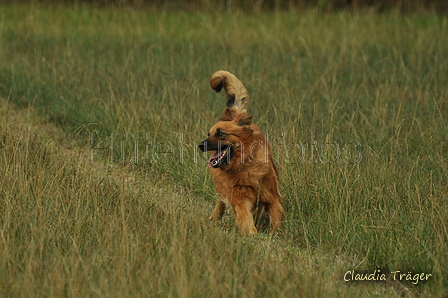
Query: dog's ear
[[227, 115], [245, 121]]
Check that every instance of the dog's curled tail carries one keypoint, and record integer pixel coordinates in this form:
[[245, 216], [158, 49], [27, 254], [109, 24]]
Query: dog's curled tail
[[237, 97]]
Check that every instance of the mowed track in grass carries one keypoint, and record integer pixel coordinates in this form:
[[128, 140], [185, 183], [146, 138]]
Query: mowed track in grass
[[355, 107]]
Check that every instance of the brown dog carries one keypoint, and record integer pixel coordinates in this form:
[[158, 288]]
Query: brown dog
[[242, 166]]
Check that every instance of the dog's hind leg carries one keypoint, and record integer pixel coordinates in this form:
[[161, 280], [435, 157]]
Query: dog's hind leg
[[218, 212], [260, 212], [275, 212]]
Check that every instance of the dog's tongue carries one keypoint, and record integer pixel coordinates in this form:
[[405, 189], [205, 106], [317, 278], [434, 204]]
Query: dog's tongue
[[212, 158]]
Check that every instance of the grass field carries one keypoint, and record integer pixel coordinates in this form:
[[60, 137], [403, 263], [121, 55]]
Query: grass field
[[102, 193]]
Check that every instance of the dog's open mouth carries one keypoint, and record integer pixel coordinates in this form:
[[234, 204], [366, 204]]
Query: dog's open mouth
[[221, 157]]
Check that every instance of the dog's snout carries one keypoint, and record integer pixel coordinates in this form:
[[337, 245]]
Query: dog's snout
[[203, 145]]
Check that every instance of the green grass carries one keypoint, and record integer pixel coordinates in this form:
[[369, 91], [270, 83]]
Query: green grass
[[78, 222]]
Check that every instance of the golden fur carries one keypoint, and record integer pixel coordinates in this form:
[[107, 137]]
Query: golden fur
[[242, 167]]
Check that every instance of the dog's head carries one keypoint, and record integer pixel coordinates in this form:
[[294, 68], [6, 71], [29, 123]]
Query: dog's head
[[228, 138]]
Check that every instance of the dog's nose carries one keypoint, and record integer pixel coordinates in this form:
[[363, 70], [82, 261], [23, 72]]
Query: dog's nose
[[202, 146]]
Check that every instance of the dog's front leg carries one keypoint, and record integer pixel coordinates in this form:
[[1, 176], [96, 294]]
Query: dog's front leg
[[219, 210], [243, 201], [244, 217]]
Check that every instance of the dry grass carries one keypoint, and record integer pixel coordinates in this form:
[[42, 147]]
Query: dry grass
[[70, 227]]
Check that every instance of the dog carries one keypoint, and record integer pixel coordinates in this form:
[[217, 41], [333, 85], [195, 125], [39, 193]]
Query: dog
[[242, 166]]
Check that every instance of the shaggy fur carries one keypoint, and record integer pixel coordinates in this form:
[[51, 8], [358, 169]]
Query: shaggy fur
[[242, 166]]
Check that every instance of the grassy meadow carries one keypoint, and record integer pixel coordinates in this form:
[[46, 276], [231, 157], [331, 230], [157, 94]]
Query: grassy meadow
[[104, 194]]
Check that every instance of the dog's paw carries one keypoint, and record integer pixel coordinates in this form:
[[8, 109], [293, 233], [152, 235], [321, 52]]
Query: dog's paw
[[213, 217]]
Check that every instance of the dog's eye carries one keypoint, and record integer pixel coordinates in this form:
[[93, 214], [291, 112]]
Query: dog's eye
[[220, 134]]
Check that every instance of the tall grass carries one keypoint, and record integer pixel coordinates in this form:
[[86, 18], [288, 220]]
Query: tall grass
[[356, 113]]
